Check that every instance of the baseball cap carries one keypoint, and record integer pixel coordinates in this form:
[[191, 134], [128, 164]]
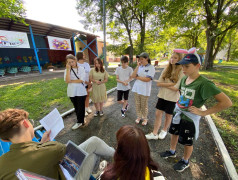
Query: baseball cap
[[144, 55], [189, 58]]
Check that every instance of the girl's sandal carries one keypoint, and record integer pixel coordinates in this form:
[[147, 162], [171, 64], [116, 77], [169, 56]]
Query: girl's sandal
[[137, 120], [144, 123]]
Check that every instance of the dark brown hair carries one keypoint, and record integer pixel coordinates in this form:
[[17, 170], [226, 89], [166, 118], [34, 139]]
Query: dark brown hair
[[101, 65], [79, 56], [124, 59], [9, 122], [132, 156], [169, 73]]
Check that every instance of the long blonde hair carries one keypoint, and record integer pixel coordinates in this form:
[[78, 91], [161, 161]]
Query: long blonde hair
[[173, 74]]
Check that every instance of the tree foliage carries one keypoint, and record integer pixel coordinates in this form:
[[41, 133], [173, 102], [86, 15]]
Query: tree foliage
[[215, 17], [124, 18], [12, 9], [160, 26]]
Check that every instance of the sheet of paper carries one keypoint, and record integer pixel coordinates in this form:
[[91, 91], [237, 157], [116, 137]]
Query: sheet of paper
[[54, 122]]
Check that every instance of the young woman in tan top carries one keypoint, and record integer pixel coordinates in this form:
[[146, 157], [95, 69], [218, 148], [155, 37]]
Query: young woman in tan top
[[168, 95]]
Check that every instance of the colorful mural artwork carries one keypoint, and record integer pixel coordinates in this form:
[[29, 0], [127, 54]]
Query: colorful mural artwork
[[59, 43], [12, 39]]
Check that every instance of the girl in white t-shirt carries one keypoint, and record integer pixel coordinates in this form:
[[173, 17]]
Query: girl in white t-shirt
[[168, 95], [143, 73], [80, 56], [74, 75]]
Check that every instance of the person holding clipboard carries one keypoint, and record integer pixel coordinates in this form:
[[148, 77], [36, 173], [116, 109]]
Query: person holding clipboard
[[43, 157]]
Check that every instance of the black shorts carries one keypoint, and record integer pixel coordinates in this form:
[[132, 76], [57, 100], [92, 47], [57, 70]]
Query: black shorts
[[166, 106], [185, 130], [121, 93]]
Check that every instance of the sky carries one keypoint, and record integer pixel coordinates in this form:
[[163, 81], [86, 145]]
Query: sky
[[57, 12]]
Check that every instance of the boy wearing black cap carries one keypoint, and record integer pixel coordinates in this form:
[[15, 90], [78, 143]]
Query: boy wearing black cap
[[195, 90]]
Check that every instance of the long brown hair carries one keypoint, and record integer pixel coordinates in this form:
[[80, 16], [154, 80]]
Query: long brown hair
[[101, 65], [70, 56], [171, 74], [132, 156]]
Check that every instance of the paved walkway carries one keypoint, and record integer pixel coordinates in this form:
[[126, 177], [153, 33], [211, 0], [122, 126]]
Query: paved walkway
[[205, 162], [226, 67]]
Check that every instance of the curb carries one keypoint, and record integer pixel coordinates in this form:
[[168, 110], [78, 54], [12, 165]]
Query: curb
[[72, 110], [228, 164]]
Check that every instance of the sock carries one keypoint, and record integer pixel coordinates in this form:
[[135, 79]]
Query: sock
[[172, 151], [186, 161]]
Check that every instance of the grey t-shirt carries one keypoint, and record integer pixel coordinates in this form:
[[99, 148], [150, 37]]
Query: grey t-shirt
[[123, 74]]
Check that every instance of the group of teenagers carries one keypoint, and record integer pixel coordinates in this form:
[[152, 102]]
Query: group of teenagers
[[182, 92]]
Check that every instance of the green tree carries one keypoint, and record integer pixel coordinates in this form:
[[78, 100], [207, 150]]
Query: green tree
[[221, 16], [118, 13], [12, 9], [117, 50], [124, 18], [216, 17], [232, 45]]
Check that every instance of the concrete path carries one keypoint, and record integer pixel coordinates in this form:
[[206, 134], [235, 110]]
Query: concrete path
[[226, 67], [205, 163]]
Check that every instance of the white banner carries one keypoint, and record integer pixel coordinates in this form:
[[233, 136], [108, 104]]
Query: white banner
[[13, 39], [59, 43]]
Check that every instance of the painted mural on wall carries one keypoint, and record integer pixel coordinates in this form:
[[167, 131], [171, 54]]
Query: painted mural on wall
[[56, 43], [18, 57], [13, 39]]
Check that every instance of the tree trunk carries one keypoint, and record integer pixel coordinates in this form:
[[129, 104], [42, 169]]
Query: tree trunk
[[209, 58], [142, 34], [131, 48], [229, 49]]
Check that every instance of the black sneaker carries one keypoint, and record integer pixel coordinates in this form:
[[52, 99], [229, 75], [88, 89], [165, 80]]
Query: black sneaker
[[96, 113], [122, 113], [101, 113], [181, 166], [167, 154], [127, 107]]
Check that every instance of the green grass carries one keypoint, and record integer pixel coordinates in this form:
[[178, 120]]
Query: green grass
[[224, 63], [40, 97], [227, 120]]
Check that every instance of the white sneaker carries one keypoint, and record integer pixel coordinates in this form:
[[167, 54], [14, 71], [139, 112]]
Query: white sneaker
[[89, 111], [76, 126], [152, 136], [101, 168], [162, 134], [101, 113], [86, 114], [103, 165]]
